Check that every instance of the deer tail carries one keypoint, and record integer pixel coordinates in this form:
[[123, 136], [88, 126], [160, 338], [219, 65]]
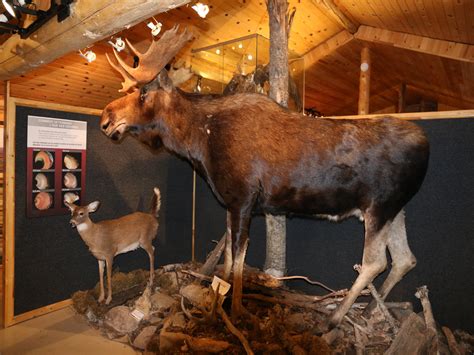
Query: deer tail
[[156, 202]]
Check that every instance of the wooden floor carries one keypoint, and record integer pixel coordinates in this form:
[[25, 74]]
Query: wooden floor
[[60, 332]]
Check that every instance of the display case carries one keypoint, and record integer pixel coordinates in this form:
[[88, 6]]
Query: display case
[[241, 65]]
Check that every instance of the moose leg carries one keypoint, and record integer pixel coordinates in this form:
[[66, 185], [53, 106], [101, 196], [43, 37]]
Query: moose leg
[[240, 232], [101, 280], [374, 261], [403, 259], [228, 249], [109, 262]]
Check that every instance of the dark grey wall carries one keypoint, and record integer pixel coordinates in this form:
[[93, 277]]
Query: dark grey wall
[[51, 260], [440, 225]]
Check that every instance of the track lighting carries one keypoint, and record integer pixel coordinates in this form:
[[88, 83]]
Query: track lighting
[[89, 55], [14, 6], [119, 44], [155, 27], [201, 9]]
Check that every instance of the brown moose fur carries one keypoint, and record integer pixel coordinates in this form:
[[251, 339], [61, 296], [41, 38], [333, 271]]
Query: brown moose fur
[[259, 157]]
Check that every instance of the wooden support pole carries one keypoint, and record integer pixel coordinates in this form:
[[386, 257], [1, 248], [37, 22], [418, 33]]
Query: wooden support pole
[[364, 83], [275, 260], [89, 22], [401, 97]]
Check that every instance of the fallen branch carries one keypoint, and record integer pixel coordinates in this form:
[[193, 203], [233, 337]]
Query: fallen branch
[[234, 330], [170, 341], [213, 257], [452, 343], [297, 277], [422, 295], [380, 302]]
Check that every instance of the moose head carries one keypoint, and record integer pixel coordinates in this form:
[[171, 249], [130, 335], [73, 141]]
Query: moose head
[[150, 87]]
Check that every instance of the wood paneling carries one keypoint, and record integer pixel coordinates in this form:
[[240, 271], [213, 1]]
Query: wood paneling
[[332, 75]]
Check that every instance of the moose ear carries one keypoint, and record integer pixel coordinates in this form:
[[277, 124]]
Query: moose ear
[[93, 206], [165, 81]]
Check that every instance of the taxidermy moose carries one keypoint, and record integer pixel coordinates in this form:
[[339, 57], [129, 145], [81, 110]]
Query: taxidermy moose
[[106, 239], [259, 157]]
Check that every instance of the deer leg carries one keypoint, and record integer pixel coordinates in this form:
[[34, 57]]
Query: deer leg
[[109, 262], [374, 261], [403, 259], [101, 280], [150, 249], [228, 249]]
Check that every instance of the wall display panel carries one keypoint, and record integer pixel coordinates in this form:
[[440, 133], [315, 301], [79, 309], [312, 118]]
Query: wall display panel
[[50, 259], [439, 225]]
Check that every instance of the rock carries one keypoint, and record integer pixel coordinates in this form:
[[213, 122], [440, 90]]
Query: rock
[[161, 301], [176, 320], [197, 295], [120, 320], [143, 303], [144, 337]]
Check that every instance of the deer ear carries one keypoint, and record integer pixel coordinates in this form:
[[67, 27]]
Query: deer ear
[[164, 81], [93, 206], [71, 206]]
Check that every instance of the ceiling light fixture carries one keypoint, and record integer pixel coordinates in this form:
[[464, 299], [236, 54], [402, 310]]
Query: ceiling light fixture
[[201, 9], [89, 55], [155, 27], [119, 44]]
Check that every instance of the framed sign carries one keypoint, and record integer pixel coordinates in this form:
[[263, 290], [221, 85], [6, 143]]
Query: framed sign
[[56, 164]]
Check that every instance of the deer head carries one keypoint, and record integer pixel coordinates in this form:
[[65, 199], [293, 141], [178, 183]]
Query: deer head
[[150, 88], [80, 214]]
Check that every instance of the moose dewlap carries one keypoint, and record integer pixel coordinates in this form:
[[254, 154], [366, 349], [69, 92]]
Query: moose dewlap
[[108, 238]]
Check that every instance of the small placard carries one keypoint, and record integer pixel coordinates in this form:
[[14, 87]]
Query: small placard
[[137, 314], [223, 288]]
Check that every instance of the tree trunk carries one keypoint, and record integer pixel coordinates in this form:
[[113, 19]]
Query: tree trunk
[[275, 261]]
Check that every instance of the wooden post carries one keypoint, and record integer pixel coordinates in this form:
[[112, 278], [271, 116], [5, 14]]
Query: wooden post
[[275, 261], [401, 97], [364, 83]]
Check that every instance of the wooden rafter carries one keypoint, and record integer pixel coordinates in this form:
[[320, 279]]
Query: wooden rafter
[[447, 49], [326, 48], [89, 22], [335, 12]]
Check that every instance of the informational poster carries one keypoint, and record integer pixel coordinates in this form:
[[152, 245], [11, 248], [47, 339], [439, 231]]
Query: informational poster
[[56, 164]]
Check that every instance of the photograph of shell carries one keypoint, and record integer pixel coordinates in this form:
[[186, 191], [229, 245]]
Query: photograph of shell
[[43, 160], [71, 197], [70, 181], [43, 201], [42, 181], [71, 161]]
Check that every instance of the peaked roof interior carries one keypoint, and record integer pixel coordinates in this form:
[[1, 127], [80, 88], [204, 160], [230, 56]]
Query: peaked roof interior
[[432, 70]]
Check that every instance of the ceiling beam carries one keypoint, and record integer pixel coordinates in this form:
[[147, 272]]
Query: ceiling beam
[[447, 49], [335, 12], [326, 48], [89, 22]]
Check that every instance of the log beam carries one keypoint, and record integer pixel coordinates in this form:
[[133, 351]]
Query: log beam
[[447, 49], [89, 22], [335, 12], [326, 48]]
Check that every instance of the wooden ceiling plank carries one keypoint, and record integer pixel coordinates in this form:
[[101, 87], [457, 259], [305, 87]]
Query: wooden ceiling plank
[[337, 14], [89, 22], [327, 47], [447, 49]]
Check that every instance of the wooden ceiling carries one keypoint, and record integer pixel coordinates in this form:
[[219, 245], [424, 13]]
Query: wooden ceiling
[[331, 82]]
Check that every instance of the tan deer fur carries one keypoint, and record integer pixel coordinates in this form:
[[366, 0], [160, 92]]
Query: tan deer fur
[[108, 238]]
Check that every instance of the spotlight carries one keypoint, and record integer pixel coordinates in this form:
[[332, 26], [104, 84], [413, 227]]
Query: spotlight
[[201, 9], [119, 44], [89, 56], [14, 6], [155, 27]]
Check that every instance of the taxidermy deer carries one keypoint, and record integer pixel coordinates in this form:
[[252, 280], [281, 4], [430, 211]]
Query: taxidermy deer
[[108, 238], [259, 157]]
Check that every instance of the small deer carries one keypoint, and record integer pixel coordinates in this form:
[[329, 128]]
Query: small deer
[[108, 238]]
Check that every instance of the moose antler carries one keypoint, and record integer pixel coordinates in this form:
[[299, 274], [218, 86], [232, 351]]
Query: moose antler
[[152, 61]]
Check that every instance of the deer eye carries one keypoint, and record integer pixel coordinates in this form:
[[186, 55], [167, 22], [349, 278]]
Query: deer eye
[[81, 214]]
